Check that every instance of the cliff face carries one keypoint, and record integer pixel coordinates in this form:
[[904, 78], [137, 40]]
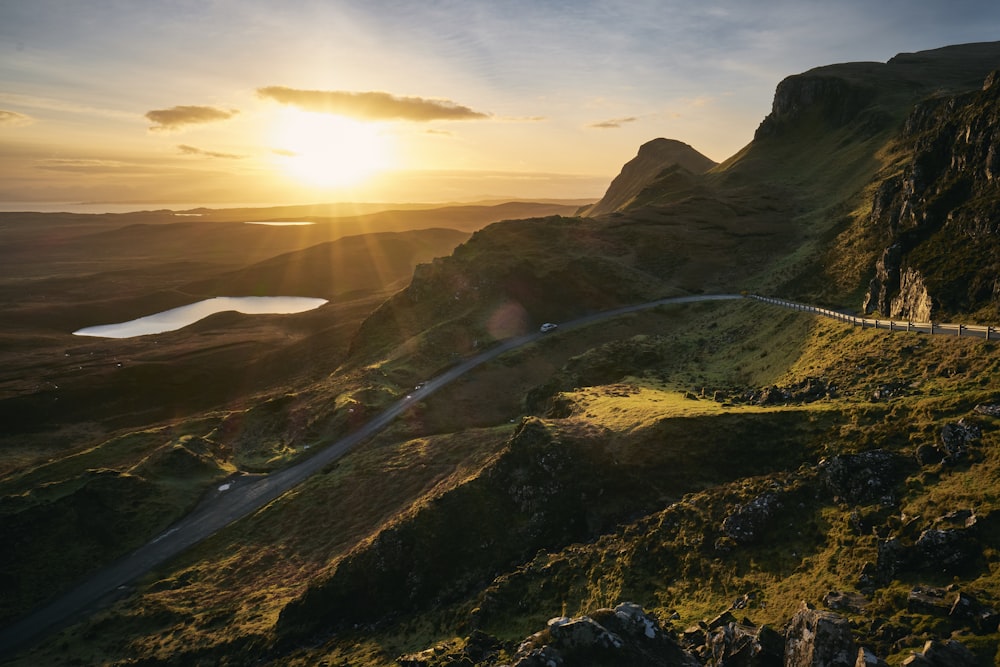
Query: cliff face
[[653, 158], [836, 99], [939, 216]]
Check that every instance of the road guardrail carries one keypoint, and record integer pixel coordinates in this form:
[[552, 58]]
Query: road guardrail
[[934, 328]]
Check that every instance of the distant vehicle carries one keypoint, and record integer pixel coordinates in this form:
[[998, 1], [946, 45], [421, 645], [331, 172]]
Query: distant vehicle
[[547, 327]]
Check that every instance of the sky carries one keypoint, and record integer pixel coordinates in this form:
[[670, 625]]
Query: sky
[[303, 101]]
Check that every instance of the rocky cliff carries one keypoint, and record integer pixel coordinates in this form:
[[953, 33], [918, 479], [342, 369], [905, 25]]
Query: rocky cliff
[[939, 215]]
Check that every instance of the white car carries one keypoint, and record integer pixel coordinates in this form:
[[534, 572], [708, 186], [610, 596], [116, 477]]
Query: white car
[[547, 327]]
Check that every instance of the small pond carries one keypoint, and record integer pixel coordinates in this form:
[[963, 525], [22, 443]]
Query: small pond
[[281, 223], [176, 318]]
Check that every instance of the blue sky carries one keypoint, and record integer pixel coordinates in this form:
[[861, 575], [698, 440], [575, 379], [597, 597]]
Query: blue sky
[[563, 92]]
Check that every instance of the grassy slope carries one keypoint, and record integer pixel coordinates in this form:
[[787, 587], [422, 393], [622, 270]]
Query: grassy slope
[[651, 420]]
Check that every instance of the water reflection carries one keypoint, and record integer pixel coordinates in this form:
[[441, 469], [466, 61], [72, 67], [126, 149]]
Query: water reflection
[[176, 318]]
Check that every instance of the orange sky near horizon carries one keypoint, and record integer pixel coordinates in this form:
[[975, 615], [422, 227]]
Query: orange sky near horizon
[[309, 100]]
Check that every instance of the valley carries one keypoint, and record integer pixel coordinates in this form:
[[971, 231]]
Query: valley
[[706, 481]]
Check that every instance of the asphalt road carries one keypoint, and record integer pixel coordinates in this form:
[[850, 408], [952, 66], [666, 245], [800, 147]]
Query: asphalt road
[[246, 496]]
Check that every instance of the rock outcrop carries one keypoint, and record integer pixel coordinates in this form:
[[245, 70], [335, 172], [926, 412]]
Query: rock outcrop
[[625, 635], [819, 639], [939, 213]]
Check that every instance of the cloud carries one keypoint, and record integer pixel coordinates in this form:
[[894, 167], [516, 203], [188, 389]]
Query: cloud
[[177, 117], [613, 123], [82, 165], [194, 150], [371, 105], [14, 119]]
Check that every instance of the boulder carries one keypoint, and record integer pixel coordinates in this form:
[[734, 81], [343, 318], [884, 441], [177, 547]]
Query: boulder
[[957, 438], [841, 601], [582, 633], [980, 618], [944, 653], [744, 645], [819, 639], [635, 622], [948, 550], [928, 600], [625, 635], [868, 659], [862, 478], [746, 523], [928, 455], [893, 557]]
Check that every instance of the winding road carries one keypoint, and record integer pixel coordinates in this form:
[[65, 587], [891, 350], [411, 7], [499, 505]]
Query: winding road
[[246, 496]]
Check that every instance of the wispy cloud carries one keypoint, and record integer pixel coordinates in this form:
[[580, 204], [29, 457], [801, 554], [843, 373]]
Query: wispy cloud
[[194, 150], [55, 104], [14, 119], [84, 165], [613, 123], [371, 105], [177, 117]]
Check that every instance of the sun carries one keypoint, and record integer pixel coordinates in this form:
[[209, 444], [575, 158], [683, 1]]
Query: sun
[[324, 150]]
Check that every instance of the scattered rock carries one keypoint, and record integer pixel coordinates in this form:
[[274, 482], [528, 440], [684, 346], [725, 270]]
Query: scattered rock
[[743, 645], [840, 601], [624, 635], [948, 551], [746, 523], [890, 390], [478, 648], [862, 478], [928, 600], [819, 639], [942, 548], [583, 633], [893, 557], [806, 391], [928, 455], [747, 601], [945, 653], [980, 618], [957, 437], [868, 659], [992, 410]]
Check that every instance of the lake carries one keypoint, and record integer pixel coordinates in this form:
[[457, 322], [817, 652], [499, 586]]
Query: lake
[[281, 223], [177, 318]]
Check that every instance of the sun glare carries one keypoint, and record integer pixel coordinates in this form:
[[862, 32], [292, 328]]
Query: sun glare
[[329, 151]]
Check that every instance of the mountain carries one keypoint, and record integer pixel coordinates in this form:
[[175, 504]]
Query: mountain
[[359, 264], [701, 484], [653, 159]]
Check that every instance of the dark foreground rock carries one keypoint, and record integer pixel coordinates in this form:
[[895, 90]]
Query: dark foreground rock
[[819, 638], [625, 635]]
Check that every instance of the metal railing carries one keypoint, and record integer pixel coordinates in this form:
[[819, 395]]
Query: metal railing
[[936, 328]]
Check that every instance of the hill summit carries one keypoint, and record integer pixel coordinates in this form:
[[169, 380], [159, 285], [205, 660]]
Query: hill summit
[[654, 158]]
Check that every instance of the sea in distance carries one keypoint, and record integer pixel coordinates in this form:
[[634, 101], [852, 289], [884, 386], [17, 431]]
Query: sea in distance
[[113, 207]]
